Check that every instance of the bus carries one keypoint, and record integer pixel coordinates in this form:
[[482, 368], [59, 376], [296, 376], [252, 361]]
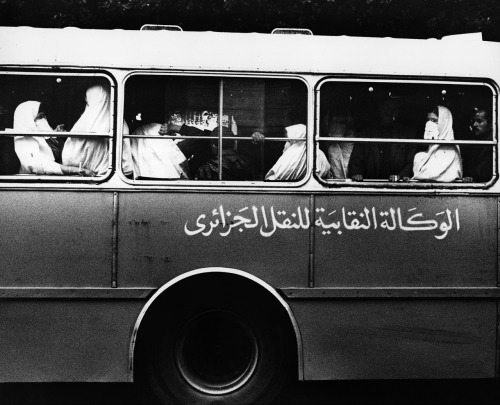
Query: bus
[[351, 234]]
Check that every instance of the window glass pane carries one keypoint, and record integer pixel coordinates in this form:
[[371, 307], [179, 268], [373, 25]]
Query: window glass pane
[[174, 122], [401, 112], [43, 119]]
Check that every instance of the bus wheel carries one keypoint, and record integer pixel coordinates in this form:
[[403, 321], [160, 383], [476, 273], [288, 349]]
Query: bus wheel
[[219, 354]]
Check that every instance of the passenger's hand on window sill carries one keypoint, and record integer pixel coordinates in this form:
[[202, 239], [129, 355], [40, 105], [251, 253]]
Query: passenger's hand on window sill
[[357, 177], [406, 179], [86, 172], [468, 180], [60, 128], [75, 170]]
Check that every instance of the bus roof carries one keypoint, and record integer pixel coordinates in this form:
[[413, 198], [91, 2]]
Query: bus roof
[[246, 52]]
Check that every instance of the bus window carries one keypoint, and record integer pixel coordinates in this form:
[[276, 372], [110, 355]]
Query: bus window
[[55, 125], [407, 133], [186, 127]]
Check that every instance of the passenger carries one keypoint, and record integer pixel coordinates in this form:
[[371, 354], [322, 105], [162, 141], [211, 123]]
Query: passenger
[[292, 163], [9, 162], [197, 151], [234, 166], [35, 154], [478, 159], [441, 162], [91, 153], [156, 158], [339, 124], [383, 160]]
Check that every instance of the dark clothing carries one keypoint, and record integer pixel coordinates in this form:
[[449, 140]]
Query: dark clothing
[[234, 167], [9, 162], [197, 151], [478, 162], [380, 160], [56, 144]]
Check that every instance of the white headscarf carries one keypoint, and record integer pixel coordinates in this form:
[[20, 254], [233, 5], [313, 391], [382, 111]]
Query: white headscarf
[[91, 153], [156, 158], [440, 162], [292, 163], [34, 153]]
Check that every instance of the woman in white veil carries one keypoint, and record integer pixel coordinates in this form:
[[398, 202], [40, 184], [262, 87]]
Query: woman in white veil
[[91, 153], [35, 154], [441, 163], [292, 163], [156, 158]]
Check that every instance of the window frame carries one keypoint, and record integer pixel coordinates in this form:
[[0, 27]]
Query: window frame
[[73, 73], [340, 183], [226, 184]]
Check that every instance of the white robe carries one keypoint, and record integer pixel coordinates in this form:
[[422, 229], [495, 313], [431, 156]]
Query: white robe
[[34, 153], [441, 163], [292, 164], [91, 153], [156, 158]]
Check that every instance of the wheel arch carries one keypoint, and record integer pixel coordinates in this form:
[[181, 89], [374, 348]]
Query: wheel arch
[[192, 276]]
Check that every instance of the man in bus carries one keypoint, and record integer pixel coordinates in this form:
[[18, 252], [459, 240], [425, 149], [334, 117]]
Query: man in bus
[[477, 159]]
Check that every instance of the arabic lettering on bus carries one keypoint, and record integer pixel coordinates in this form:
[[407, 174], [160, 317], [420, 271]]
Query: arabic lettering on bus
[[269, 220]]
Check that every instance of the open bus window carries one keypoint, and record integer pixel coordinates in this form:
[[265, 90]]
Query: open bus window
[[409, 133], [187, 127], [55, 125]]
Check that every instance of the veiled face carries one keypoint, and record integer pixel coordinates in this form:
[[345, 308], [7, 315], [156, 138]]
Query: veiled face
[[41, 122], [432, 117]]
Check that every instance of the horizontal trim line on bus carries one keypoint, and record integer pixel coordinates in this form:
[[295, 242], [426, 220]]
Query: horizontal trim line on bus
[[233, 138], [9, 134], [406, 140], [65, 292], [391, 292]]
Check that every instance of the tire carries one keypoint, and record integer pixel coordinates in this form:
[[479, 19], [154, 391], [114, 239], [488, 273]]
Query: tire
[[218, 353]]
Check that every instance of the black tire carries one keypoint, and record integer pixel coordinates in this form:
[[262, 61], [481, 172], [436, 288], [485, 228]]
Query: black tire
[[217, 353]]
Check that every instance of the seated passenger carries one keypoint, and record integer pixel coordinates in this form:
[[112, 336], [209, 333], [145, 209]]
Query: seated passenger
[[338, 123], [156, 158], [197, 151], [91, 153], [440, 162], [35, 154], [234, 166], [9, 162], [478, 159], [292, 163], [383, 160]]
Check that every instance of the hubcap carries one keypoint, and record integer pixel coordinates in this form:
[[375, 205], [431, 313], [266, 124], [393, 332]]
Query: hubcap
[[217, 352]]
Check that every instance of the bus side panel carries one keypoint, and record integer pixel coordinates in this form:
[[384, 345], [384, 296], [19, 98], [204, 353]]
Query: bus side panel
[[55, 238], [66, 340], [386, 339], [406, 241], [162, 235]]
